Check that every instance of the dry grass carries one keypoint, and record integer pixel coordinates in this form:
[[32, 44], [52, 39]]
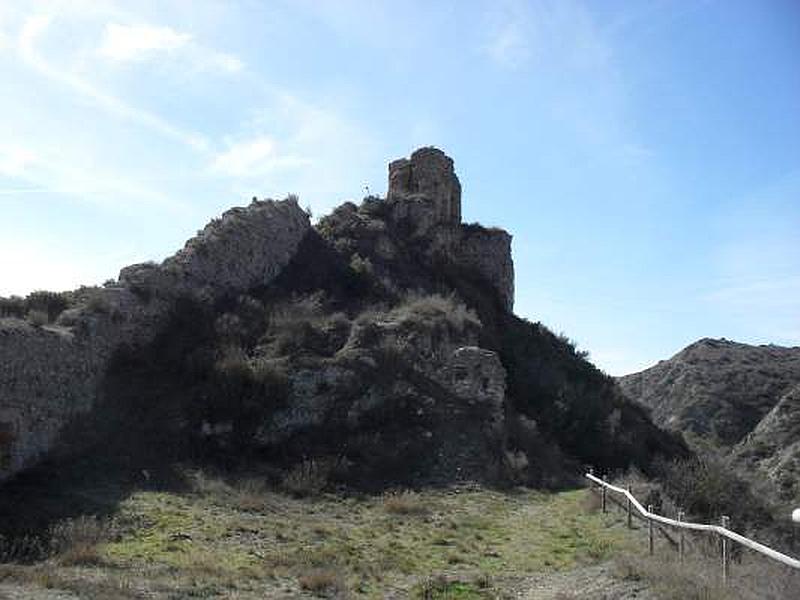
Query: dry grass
[[699, 576], [323, 582], [405, 503], [591, 501], [76, 541], [428, 310]]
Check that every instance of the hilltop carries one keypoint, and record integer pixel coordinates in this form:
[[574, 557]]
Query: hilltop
[[377, 347], [739, 398]]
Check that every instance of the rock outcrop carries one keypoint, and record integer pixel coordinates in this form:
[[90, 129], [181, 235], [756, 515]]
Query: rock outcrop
[[51, 375], [425, 190], [409, 396], [425, 196], [380, 342]]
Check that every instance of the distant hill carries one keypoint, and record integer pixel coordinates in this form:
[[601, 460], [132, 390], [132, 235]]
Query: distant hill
[[774, 445], [717, 389], [741, 398]]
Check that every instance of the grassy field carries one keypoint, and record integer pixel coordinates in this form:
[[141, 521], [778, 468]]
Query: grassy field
[[243, 540]]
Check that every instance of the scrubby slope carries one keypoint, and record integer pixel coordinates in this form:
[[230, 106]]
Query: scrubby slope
[[380, 345], [773, 447], [717, 389]]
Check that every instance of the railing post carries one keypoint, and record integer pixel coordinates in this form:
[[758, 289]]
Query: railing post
[[604, 498], [725, 522], [681, 542], [650, 527], [630, 515]]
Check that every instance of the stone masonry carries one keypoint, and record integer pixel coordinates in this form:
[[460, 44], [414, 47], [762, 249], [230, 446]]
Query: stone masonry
[[51, 375], [425, 193]]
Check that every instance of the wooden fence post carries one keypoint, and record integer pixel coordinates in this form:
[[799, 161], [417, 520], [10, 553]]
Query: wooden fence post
[[725, 522], [630, 521], [650, 527], [604, 498], [681, 547]]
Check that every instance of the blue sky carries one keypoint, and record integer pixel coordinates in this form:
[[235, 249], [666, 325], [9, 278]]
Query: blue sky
[[645, 155]]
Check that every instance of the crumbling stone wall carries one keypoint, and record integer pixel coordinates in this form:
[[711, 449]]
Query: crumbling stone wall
[[425, 190], [425, 194], [46, 378], [50, 375], [488, 251]]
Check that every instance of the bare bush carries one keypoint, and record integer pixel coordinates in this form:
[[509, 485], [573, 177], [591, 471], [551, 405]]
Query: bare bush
[[405, 503], [323, 582], [308, 478], [429, 310], [76, 541]]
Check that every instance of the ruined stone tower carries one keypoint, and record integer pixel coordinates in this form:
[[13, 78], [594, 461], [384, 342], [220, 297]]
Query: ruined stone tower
[[425, 194]]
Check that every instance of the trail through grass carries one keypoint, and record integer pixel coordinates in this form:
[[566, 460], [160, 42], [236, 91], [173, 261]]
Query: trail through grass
[[247, 541]]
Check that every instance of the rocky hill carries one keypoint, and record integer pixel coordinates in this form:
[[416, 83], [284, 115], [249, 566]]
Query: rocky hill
[[375, 348], [773, 447], [741, 399], [717, 389]]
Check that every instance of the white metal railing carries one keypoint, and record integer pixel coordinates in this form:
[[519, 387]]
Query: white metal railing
[[679, 523]]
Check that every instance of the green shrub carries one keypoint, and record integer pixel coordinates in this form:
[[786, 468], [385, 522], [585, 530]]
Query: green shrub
[[13, 307], [50, 303], [709, 486], [98, 303], [304, 325], [37, 318]]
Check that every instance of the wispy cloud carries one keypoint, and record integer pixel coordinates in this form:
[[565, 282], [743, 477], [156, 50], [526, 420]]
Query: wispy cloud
[[14, 160], [35, 27], [280, 144], [141, 42], [508, 46], [759, 295], [253, 157]]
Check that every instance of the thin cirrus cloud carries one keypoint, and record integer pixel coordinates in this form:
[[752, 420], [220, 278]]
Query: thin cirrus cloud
[[14, 160], [35, 27], [138, 43], [253, 157], [508, 46]]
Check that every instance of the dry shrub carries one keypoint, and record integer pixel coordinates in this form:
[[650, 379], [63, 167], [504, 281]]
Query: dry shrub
[[204, 484], [431, 310], [251, 494], [323, 582], [308, 478], [709, 485], [671, 580], [247, 494], [591, 502], [699, 577], [405, 503], [76, 541], [23, 548]]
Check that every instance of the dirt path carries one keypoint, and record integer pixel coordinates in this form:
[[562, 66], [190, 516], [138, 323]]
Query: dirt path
[[595, 582]]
